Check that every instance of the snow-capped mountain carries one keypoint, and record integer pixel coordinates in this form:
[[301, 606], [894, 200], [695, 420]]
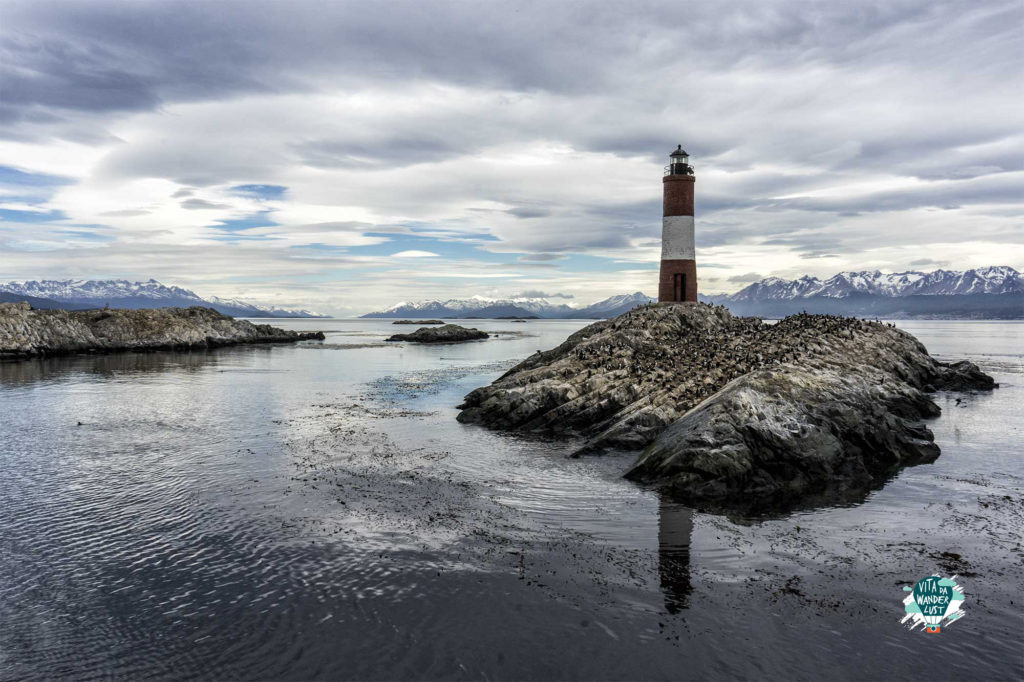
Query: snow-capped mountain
[[616, 305], [120, 293], [480, 306], [246, 309], [990, 280], [982, 293], [92, 290]]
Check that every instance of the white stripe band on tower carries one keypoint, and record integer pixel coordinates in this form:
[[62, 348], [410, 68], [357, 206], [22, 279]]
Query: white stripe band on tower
[[677, 237]]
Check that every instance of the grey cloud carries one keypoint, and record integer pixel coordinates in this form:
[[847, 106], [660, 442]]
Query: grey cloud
[[542, 257], [528, 212], [748, 277], [382, 153], [537, 293], [58, 72], [340, 226], [199, 204], [1003, 188], [812, 246]]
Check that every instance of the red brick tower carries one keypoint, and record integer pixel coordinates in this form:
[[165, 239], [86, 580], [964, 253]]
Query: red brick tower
[[678, 280]]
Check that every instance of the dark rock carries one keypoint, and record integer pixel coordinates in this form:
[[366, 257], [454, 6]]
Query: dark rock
[[25, 332], [962, 376], [418, 322], [730, 407], [787, 432], [449, 333]]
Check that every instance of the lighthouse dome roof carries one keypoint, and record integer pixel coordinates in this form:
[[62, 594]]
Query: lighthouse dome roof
[[679, 151]]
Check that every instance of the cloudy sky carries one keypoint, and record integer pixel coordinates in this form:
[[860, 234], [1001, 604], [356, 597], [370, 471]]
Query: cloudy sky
[[349, 155]]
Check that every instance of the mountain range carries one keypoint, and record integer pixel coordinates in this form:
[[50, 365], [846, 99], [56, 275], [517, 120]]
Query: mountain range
[[990, 280], [479, 306], [993, 292], [80, 294]]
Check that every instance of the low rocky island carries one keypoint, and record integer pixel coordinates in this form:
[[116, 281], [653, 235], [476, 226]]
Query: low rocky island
[[418, 322], [732, 409], [449, 333], [25, 332]]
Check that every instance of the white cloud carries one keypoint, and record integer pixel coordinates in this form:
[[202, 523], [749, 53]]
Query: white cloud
[[414, 254]]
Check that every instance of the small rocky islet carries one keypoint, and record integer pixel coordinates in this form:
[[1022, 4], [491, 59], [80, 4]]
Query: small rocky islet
[[418, 322], [449, 333], [27, 332], [730, 409]]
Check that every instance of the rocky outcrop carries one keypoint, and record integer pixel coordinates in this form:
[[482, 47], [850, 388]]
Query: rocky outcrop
[[418, 322], [962, 376], [25, 332], [730, 407], [449, 333], [778, 434]]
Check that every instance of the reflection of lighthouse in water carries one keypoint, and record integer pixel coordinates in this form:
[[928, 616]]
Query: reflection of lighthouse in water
[[675, 526]]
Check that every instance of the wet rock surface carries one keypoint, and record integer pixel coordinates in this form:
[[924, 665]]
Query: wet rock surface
[[25, 332], [731, 408], [449, 333]]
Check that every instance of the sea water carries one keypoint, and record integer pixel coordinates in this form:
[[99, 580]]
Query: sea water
[[315, 510]]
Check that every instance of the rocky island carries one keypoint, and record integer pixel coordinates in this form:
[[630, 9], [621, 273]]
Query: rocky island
[[731, 408], [25, 332], [449, 333], [418, 322]]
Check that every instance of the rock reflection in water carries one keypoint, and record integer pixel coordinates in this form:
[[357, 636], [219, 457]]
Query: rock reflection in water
[[675, 526], [68, 367]]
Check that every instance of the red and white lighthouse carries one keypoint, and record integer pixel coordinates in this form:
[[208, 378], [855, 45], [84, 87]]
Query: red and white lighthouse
[[678, 280]]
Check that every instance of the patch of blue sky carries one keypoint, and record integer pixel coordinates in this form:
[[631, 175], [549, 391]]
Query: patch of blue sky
[[579, 262], [444, 248], [262, 192], [237, 237], [15, 216], [248, 222], [15, 177], [262, 279], [34, 245], [86, 233], [453, 231], [320, 246], [25, 195]]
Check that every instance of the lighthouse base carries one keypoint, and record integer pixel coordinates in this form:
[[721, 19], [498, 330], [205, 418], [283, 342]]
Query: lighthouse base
[[678, 281]]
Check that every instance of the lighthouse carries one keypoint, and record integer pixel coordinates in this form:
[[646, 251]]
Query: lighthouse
[[677, 282]]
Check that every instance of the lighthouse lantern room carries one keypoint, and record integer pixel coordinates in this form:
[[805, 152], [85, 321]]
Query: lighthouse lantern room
[[677, 282]]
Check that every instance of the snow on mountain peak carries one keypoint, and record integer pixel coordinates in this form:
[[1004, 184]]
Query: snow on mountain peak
[[987, 280], [123, 293], [536, 306]]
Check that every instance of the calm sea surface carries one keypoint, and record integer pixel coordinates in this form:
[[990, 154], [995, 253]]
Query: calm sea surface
[[315, 511]]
